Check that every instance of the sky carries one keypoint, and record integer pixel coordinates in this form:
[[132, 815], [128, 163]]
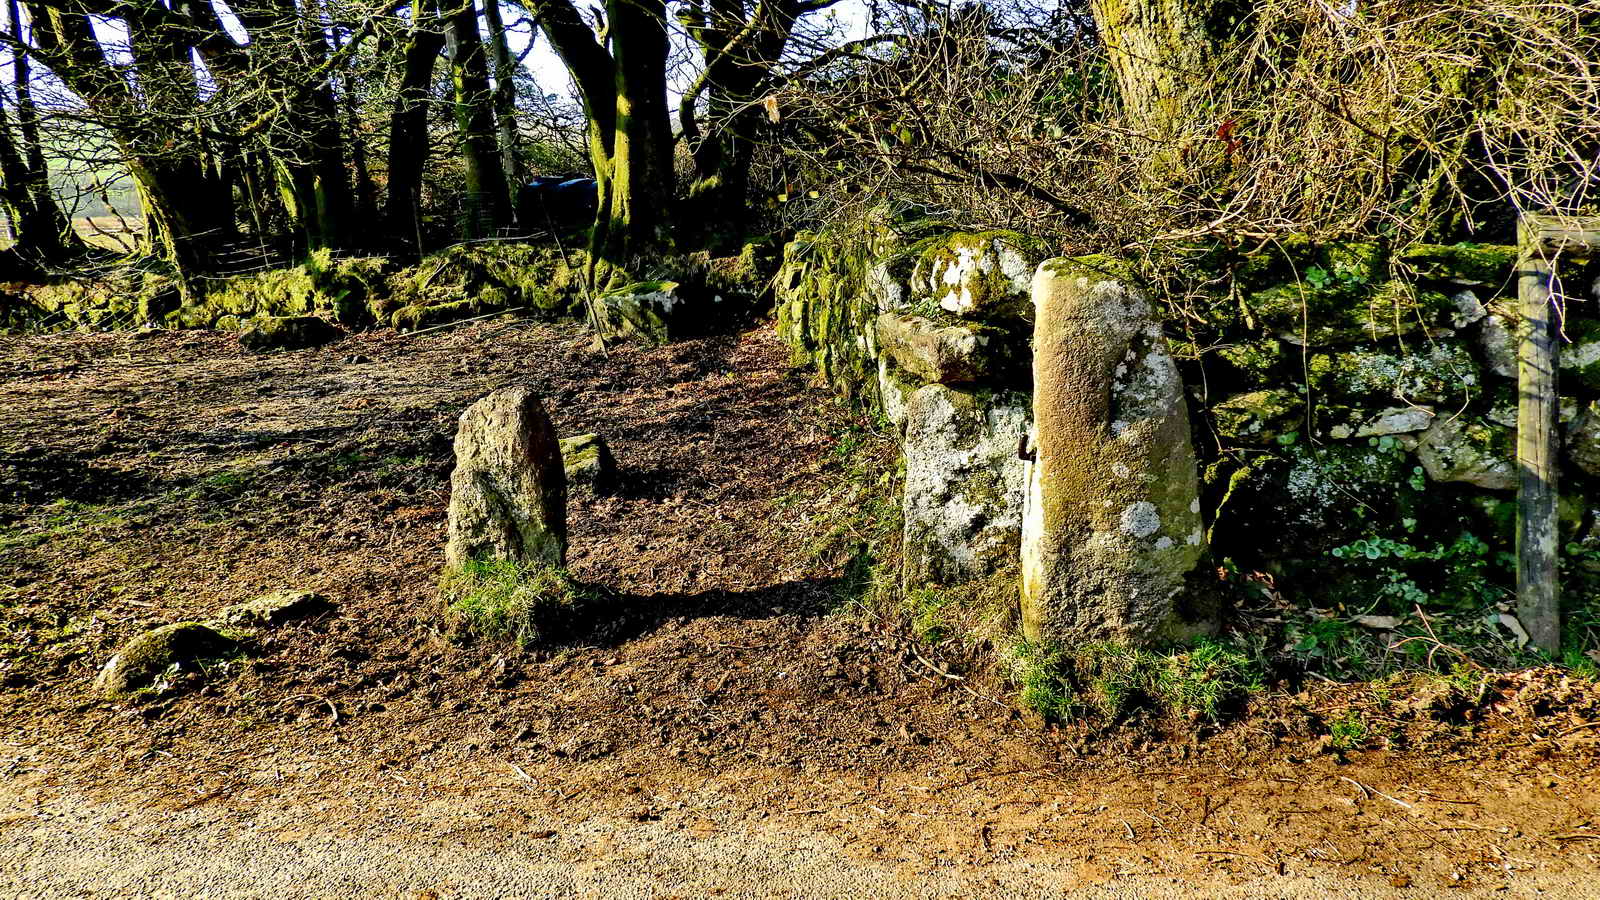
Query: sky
[[542, 61]]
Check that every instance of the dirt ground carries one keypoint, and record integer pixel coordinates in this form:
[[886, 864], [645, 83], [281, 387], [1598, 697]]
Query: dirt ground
[[731, 726]]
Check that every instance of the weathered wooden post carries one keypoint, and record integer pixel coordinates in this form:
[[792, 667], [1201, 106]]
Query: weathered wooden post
[[1542, 240]]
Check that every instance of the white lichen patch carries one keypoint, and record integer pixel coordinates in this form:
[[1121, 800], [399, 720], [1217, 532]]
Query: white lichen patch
[[1399, 420], [1141, 519]]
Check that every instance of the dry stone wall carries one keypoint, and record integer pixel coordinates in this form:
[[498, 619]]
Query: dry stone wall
[[1352, 410]]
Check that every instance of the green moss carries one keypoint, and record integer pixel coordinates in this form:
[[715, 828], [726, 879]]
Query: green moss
[[126, 298], [1256, 359], [1440, 373], [341, 288], [1098, 265], [1258, 417], [1487, 264], [413, 318], [540, 280]]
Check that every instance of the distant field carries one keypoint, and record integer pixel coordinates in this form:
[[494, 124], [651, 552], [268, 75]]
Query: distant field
[[109, 232]]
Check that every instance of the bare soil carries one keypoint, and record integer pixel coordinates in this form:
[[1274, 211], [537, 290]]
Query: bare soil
[[731, 723]]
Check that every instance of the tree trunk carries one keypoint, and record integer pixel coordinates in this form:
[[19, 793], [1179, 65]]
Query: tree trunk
[[486, 201], [366, 195], [739, 48], [408, 125], [69, 44], [630, 135], [1158, 49], [40, 231], [505, 94], [633, 219]]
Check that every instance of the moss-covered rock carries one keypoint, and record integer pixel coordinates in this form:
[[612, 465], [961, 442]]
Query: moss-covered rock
[[1340, 313], [1112, 526], [1497, 340], [287, 333], [341, 288], [1492, 265], [652, 311], [978, 275], [1580, 359], [418, 317], [894, 391], [1307, 498], [945, 353], [125, 298], [746, 278], [1258, 417], [142, 660], [1470, 450], [826, 308], [1394, 420], [587, 460], [1254, 360], [1439, 373], [964, 484], [276, 608], [1583, 440], [537, 280]]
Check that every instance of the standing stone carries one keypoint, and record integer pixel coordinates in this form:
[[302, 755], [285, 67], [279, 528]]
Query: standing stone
[[1112, 521], [508, 495]]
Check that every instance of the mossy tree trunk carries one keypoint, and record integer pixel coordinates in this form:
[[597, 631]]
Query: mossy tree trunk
[[67, 43], [622, 76], [40, 231], [1160, 51], [505, 95], [408, 124], [486, 202]]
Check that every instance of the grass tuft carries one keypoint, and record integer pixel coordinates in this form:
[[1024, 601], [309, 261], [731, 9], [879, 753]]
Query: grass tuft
[[1207, 682], [503, 602]]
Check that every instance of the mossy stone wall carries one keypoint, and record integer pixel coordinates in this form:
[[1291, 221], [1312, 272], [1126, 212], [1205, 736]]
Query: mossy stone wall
[[1341, 393]]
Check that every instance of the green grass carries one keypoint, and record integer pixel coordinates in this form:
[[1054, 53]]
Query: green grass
[[502, 602], [1348, 731], [930, 614], [1206, 682], [61, 518]]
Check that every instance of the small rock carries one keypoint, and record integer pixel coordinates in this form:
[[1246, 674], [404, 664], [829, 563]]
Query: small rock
[[648, 311], [1468, 310], [1398, 420], [1498, 340], [1258, 417], [287, 333], [1478, 453], [275, 609], [142, 659], [587, 460], [1583, 441]]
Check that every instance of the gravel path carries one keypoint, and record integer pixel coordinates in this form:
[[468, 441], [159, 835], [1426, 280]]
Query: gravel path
[[56, 844]]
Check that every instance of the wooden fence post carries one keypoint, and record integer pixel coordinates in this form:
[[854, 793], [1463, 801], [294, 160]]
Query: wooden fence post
[[1538, 353], [1541, 240]]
